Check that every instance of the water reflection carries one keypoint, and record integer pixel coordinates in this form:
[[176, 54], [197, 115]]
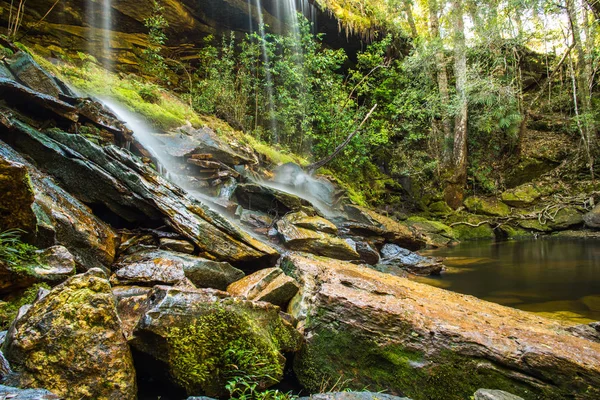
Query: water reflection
[[558, 278]]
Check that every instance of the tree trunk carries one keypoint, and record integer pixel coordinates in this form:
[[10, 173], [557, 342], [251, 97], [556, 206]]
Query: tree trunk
[[442, 80], [410, 18], [454, 193]]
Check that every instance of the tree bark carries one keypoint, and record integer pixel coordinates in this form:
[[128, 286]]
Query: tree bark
[[410, 18], [454, 192]]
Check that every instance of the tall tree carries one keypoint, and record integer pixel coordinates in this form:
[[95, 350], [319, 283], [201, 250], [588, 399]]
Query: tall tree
[[454, 192], [442, 79]]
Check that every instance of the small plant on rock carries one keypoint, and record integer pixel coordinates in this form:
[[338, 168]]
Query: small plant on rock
[[13, 251]]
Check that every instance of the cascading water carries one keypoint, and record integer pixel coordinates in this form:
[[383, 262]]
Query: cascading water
[[99, 20]]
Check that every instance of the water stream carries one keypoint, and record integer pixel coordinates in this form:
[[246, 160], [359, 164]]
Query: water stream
[[554, 277]]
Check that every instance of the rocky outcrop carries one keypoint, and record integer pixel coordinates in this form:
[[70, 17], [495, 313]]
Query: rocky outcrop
[[204, 336], [314, 223], [51, 215], [425, 342], [114, 178], [368, 223], [309, 241], [521, 196], [180, 246], [269, 284], [257, 197], [71, 343], [152, 267]]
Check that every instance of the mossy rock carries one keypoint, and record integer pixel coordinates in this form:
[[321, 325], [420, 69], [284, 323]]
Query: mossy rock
[[437, 233], [534, 225], [513, 232], [206, 338], [10, 306], [521, 196], [16, 197], [71, 343], [487, 206], [566, 218], [471, 227], [439, 208]]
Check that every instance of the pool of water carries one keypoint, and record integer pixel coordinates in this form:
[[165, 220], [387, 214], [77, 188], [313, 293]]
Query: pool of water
[[557, 278]]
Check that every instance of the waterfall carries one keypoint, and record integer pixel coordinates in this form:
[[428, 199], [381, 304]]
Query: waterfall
[[99, 20]]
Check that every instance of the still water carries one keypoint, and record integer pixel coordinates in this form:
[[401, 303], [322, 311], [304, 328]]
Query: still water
[[557, 278]]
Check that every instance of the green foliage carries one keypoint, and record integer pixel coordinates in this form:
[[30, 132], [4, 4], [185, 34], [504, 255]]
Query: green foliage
[[153, 62], [10, 307], [14, 252], [241, 388]]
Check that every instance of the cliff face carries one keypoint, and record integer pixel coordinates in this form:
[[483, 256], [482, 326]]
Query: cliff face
[[77, 26]]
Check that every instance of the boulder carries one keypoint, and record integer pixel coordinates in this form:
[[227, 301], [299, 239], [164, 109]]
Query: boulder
[[151, 267], [270, 285], [521, 196], [53, 265], [12, 393], [487, 206], [258, 197], [131, 302], [394, 255], [369, 224], [179, 246], [352, 396], [203, 336], [306, 240], [427, 343], [490, 394], [435, 233], [314, 223], [52, 215], [592, 218], [71, 343], [134, 192]]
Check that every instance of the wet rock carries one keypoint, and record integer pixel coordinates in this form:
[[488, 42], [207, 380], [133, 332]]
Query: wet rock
[[270, 285], [471, 227], [489, 394], [180, 246], [393, 255], [31, 74], [292, 176], [132, 242], [151, 267], [53, 265], [521, 196], [5, 369], [352, 396], [134, 192], [487, 206], [369, 224], [131, 305], [36, 104], [428, 343], [203, 336], [314, 223], [256, 219], [53, 216], [7, 392], [324, 244], [592, 218], [204, 142], [16, 197], [253, 196], [71, 342], [367, 253]]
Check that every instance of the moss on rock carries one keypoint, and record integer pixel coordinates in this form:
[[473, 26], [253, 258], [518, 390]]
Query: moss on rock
[[487, 206], [521, 196], [207, 338]]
